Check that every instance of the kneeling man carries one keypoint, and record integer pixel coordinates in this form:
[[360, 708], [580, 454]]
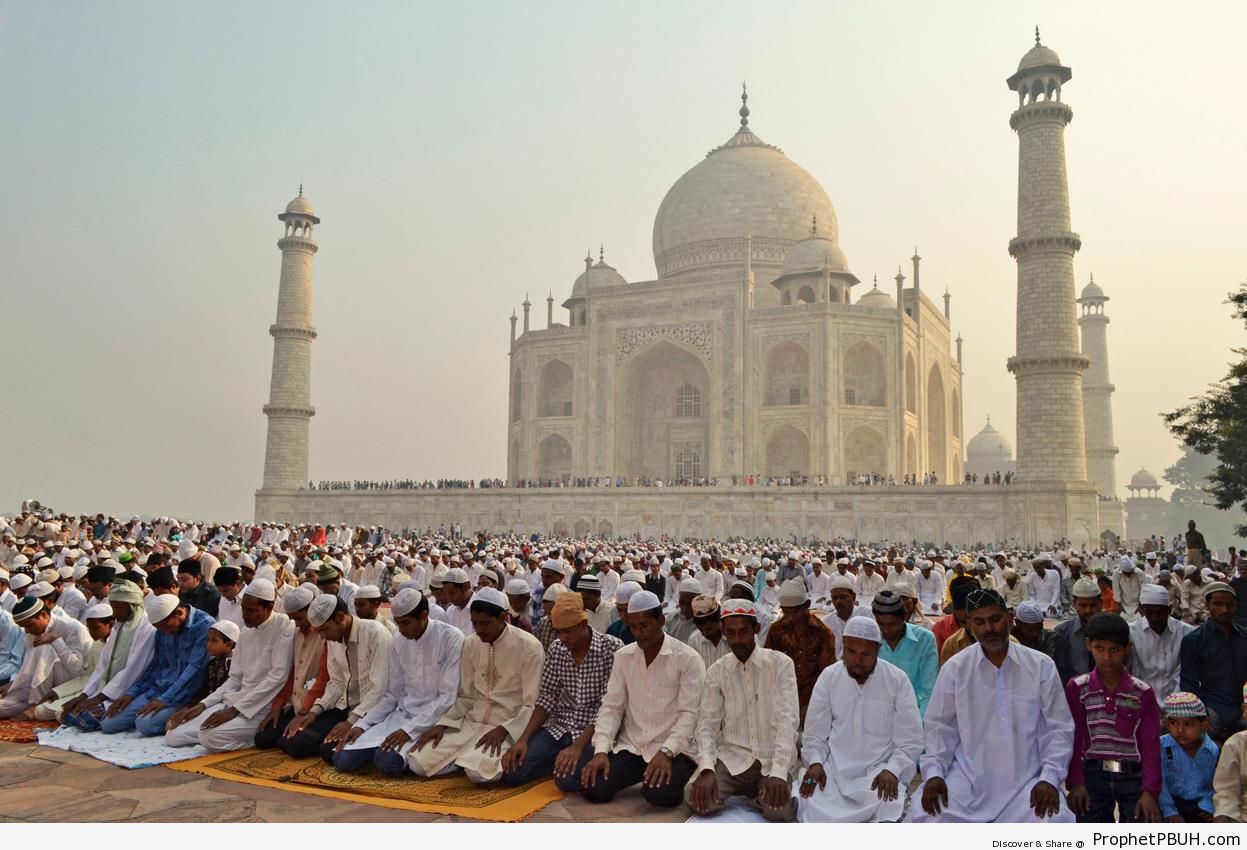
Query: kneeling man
[[999, 734]]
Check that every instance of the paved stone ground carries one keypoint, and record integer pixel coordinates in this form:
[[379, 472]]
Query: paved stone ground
[[46, 785]]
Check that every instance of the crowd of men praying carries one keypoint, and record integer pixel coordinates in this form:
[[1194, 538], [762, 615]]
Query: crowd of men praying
[[845, 682]]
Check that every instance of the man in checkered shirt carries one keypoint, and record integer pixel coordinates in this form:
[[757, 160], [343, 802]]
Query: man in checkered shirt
[[573, 679]]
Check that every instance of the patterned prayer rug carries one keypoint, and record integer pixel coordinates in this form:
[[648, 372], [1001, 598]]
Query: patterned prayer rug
[[125, 749], [23, 731], [446, 795]]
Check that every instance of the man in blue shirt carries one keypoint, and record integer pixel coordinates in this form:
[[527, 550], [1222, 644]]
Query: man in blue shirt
[[909, 647], [173, 676], [1214, 661]]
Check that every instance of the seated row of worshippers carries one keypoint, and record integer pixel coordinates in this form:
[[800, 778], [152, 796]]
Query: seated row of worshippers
[[996, 739]]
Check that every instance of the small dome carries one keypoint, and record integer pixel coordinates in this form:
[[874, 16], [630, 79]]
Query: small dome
[[1143, 480], [877, 298], [1092, 292], [598, 275], [813, 254], [989, 443], [301, 206], [1038, 56]]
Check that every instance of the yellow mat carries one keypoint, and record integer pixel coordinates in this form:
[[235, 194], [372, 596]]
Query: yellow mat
[[447, 795]]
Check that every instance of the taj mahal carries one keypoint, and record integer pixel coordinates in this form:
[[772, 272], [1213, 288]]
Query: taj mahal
[[756, 357]]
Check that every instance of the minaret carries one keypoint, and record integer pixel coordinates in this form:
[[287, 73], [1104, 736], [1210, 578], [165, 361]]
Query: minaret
[[290, 393], [1049, 364], [526, 305], [1097, 392]]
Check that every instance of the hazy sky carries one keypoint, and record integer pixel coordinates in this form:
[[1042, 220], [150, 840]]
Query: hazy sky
[[463, 154]]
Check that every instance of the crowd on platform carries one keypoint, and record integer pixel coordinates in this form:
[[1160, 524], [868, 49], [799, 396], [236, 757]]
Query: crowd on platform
[[927, 480], [853, 682]]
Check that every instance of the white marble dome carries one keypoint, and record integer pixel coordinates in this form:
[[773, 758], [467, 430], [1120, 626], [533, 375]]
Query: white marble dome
[[745, 185], [1038, 56], [300, 206], [596, 276], [813, 254], [989, 443], [877, 298], [1143, 480]]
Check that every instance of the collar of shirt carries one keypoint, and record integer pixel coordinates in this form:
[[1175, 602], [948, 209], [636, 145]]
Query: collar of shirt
[[1127, 685]]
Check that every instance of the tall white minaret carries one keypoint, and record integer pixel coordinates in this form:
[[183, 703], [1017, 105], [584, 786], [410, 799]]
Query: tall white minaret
[[1097, 392], [290, 394], [1049, 363]]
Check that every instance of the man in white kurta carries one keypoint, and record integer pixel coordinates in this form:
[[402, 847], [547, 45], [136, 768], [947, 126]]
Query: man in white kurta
[[747, 730], [228, 718], [124, 657], [421, 687], [1044, 583], [1157, 640], [863, 736], [499, 677], [98, 619], [868, 584], [999, 734], [55, 649], [930, 586]]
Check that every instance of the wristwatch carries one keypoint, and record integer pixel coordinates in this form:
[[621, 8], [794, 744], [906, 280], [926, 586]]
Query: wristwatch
[[666, 751]]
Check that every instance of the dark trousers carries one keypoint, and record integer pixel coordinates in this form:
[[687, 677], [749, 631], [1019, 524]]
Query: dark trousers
[[387, 762], [308, 742], [543, 749], [627, 769], [1109, 791]]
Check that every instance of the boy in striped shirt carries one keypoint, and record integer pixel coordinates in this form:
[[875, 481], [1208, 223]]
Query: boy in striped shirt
[[1116, 761]]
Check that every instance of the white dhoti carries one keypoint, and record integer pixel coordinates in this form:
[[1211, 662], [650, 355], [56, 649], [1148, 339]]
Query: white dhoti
[[236, 734], [458, 749], [46, 672], [1017, 809]]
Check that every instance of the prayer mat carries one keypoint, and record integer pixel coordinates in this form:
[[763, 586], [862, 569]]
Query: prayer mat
[[23, 731], [124, 749], [444, 795]]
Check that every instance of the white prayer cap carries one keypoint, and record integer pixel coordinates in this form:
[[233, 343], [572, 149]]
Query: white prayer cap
[[321, 609], [794, 555], [98, 611], [66, 572], [19, 581], [642, 601], [906, 589], [1086, 588], [80, 571], [842, 582], [590, 583], [793, 593], [458, 575], [1127, 565], [261, 588], [40, 589], [553, 592], [405, 601], [554, 565], [740, 571], [689, 585], [50, 575], [160, 605], [1153, 594], [771, 575], [492, 595], [1151, 556], [1029, 611], [516, 587], [295, 599], [142, 572], [863, 627], [1190, 570], [265, 573], [227, 629], [4, 574], [625, 592], [633, 575], [43, 563], [368, 591], [738, 608], [186, 549]]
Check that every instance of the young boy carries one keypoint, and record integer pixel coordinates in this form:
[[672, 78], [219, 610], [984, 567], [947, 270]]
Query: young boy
[[1229, 783], [1116, 761], [1188, 758], [229, 584]]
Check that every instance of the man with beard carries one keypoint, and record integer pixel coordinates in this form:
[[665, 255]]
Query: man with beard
[[1214, 661], [747, 732], [863, 735], [802, 637], [844, 607], [1157, 640], [999, 734]]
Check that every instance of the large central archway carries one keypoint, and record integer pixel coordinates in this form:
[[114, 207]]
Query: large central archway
[[662, 408], [937, 426]]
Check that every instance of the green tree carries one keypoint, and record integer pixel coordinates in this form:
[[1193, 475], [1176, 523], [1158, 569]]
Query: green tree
[[1215, 425], [1189, 476]]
